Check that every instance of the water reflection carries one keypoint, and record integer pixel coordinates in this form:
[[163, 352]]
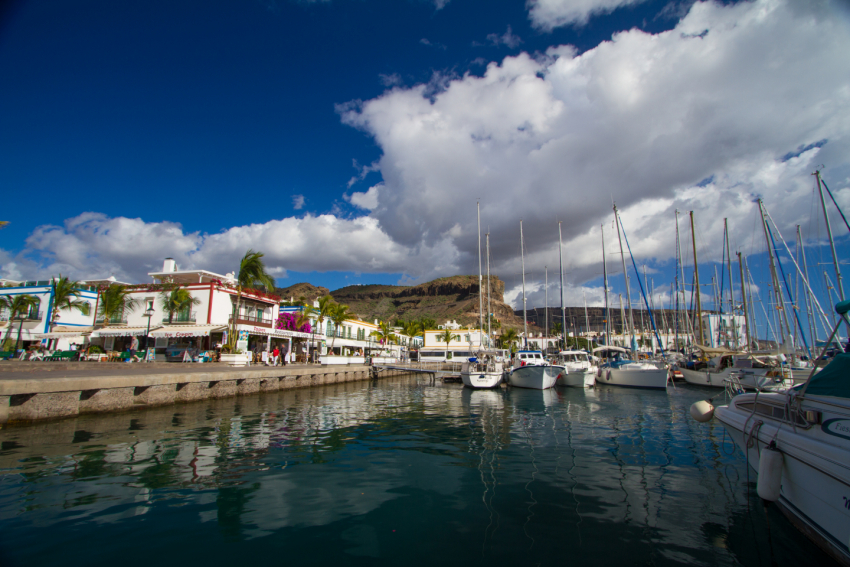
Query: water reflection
[[391, 471]]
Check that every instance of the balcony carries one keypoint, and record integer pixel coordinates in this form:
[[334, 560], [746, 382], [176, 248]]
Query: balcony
[[180, 318], [113, 320], [255, 320]]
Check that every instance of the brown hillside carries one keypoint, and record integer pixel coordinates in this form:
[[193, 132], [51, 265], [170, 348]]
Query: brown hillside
[[452, 298], [303, 289]]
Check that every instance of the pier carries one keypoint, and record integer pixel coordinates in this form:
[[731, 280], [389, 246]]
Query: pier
[[35, 391]]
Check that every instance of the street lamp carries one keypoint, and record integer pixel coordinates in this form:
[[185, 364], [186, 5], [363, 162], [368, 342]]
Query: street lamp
[[148, 313]]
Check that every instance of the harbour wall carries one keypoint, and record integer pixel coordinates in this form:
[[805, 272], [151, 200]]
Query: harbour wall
[[43, 397]]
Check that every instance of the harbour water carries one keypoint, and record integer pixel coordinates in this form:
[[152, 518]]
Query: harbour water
[[392, 472]]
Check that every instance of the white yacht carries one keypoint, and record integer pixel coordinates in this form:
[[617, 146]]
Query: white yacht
[[621, 371], [751, 373], [579, 371], [483, 371], [799, 441], [530, 370]]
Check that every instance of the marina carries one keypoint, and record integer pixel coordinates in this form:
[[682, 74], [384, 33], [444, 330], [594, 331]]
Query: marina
[[359, 472]]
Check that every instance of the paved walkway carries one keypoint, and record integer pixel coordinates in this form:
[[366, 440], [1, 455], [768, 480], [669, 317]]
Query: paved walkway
[[25, 370]]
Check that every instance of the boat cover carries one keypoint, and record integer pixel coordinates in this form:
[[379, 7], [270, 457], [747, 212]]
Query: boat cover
[[833, 380]]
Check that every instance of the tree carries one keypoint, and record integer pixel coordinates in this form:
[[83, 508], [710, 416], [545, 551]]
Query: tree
[[412, 328], [427, 323], [252, 272], [66, 295], [17, 304], [320, 313], [446, 337], [509, 338], [3, 223], [115, 300], [177, 300], [384, 333], [556, 328], [338, 315]]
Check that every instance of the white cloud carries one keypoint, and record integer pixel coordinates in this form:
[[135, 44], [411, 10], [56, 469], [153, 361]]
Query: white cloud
[[641, 119], [367, 200], [550, 14], [429, 43], [298, 202], [508, 39]]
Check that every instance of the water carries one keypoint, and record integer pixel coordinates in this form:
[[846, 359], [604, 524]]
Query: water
[[390, 473]]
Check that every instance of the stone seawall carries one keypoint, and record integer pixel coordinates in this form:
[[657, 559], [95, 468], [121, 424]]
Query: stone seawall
[[49, 395]]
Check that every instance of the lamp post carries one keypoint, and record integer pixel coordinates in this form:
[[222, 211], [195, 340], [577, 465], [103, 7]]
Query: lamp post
[[148, 313], [21, 317]]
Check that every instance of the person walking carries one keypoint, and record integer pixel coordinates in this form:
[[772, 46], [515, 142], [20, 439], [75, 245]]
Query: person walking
[[285, 354], [134, 346], [275, 356]]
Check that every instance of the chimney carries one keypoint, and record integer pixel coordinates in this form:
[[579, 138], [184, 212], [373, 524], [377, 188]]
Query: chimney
[[169, 265]]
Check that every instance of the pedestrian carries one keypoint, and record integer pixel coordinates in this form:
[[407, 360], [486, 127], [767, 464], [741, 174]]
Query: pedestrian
[[275, 356], [285, 354], [134, 346]]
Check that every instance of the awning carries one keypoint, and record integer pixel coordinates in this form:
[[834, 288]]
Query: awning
[[179, 331], [64, 333], [122, 332], [277, 333]]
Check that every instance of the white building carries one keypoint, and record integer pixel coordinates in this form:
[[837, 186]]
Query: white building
[[71, 326]]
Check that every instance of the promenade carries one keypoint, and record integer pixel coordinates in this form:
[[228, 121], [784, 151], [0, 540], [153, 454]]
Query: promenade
[[34, 391]]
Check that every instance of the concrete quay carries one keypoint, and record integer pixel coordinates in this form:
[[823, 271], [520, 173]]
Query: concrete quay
[[31, 392]]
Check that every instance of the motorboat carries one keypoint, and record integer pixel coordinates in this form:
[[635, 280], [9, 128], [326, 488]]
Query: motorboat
[[750, 372], [799, 441], [627, 373], [485, 370], [531, 370], [579, 371]]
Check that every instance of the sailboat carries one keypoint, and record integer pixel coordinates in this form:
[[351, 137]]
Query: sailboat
[[621, 370], [530, 368], [485, 370], [799, 441]]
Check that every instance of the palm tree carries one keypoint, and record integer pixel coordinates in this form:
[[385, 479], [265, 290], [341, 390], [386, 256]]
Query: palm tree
[[17, 304], [320, 313], [338, 315], [509, 338], [252, 272], [66, 295], [384, 333], [114, 301], [412, 328], [427, 323], [177, 300], [446, 337], [3, 223]]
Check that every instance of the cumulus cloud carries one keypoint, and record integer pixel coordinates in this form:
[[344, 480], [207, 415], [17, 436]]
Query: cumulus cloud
[[367, 200], [298, 202], [429, 43], [550, 14], [701, 117]]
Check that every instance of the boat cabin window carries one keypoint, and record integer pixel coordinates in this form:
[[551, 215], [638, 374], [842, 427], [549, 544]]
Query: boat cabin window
[[773, 412]]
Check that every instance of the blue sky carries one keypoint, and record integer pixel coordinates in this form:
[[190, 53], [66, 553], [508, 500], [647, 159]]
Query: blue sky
[[349, 140]]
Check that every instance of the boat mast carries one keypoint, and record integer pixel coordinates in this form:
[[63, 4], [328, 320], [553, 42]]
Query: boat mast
[[810, 310], [731, 291], [480, 285], [696, 281], [545, 309], [626, 277], [586, 320], [777, 289], [489, 312], [749, 329], [605, 286], [524, 316], [838, 282], [561, 266]]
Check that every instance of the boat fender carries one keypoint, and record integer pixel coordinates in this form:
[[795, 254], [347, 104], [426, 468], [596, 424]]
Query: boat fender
[[702, 411], [770, 473]]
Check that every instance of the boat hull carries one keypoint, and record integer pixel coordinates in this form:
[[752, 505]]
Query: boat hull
[[648, 378], [750, 379], [481, 380], [815, 481], [534, 377], [577, 378]]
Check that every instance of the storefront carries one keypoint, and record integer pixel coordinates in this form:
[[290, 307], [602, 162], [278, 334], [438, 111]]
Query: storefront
[[179, 343], [261, 339], [67, 338]]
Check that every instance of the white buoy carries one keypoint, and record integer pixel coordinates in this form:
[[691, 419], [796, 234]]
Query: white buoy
[[702, 411], [770, 473]]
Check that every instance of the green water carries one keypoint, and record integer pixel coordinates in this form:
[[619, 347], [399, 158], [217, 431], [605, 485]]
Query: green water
[[395, 472]]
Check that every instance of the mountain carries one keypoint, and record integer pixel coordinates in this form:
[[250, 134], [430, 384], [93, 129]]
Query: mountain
[[451, 298], [304, 289]]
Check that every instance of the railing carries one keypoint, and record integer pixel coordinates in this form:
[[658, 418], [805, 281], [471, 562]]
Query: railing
[[180, 318], [247, 319], [113, 320]]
